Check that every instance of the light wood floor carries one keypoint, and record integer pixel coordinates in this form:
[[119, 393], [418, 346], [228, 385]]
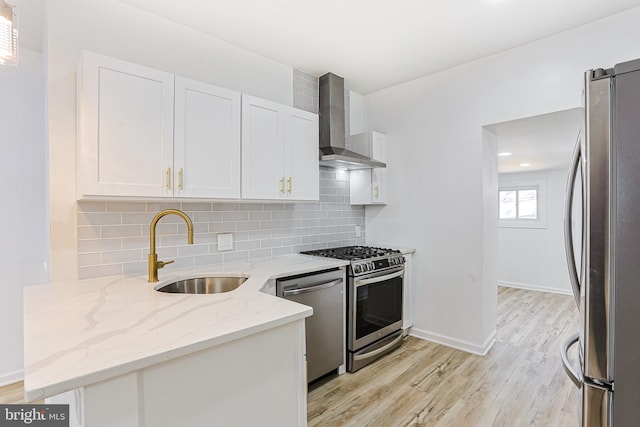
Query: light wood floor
[[520, 382]]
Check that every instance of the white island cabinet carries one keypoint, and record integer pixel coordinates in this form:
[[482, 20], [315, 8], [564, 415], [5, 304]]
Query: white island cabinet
[[122, 354], [145, 133], [252, 381]]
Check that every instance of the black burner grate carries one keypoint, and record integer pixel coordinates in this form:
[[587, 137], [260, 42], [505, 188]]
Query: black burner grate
[[352, 253]]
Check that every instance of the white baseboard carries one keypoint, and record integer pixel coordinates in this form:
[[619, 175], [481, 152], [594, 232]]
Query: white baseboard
[[469, 347], [530, 287], [11, 377]]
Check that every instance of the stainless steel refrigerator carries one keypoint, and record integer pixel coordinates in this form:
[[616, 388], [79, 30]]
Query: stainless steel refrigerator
[[604, 256]]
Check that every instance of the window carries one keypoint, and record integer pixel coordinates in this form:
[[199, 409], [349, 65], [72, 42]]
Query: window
[[522, 204], [519, 203]]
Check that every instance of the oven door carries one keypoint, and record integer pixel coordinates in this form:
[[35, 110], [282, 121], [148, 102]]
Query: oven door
[[375, 308]]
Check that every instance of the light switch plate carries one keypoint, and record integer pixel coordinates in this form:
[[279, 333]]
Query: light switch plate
[[225, 242], [358, 231]]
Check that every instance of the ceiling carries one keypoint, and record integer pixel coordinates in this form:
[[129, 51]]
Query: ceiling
[[544, 142], [375, 44]]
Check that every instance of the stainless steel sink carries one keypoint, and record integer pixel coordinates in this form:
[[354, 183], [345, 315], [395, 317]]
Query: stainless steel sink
[[203, 285]]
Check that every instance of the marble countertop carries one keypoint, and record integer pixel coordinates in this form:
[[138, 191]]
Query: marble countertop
[[85, 331]]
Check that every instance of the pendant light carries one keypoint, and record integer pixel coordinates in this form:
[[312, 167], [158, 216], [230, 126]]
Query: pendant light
[[8, 34]]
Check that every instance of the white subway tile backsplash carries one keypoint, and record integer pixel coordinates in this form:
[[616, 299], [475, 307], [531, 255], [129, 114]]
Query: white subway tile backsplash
[[260, 253], [222, 227], [99, 218], [113, 237], [126, 207], [135, 267], [92, 207], [236, 256], [100, 271], [99, 245], [192, 250], [270, 225], [235, 216], [88, 232], [209, 259], [247, 245], [258, 235], [122, 230], [118, 257], [271, 243], [247, 225], [207, 216], [182, 263], [155, 207], [91, 259], [281, 251], [196, 206], [225, 206], [261, 215]]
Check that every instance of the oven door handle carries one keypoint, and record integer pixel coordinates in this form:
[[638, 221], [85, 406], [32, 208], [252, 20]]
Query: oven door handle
[[379, 350], [361, 282]]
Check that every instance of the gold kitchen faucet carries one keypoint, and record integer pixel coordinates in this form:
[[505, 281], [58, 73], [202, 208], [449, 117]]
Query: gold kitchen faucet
[[154, 264]]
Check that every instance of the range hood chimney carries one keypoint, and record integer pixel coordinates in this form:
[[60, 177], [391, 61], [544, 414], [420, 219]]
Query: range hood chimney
[[332, 134]]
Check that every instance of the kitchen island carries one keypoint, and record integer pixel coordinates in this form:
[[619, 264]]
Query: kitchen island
[[123, 354]]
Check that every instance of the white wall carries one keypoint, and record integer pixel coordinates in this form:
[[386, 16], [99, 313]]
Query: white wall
[[115, 29], [534, 258], [434, 133], [24, 252]]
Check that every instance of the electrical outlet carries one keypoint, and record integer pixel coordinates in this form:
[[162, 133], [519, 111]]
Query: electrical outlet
[[358, 231], [225, 242]]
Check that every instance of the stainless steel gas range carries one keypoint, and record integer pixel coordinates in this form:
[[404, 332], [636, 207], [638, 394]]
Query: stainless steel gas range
[[374, 301]]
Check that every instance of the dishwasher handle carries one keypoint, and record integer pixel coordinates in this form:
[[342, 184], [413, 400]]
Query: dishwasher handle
[[308, 289]]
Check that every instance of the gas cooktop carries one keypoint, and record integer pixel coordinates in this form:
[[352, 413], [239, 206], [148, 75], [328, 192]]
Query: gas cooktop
[[353, 253]]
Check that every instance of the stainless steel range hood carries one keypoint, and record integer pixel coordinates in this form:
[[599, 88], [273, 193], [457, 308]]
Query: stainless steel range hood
[[332, 134]]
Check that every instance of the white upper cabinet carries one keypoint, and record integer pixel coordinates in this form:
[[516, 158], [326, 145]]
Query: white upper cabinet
[[302, 155], [367, 186], [262, 149], [207, 141], [125, 125], [279, 151], [126, 143]]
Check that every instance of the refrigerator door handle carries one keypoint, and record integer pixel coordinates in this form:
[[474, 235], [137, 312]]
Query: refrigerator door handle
[[564, 350], [568, 224]]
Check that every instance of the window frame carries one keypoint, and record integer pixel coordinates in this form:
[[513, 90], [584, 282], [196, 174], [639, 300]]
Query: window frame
[[540, 185]]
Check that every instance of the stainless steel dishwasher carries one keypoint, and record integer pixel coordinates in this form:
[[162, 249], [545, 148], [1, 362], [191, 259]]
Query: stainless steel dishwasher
[[325, 329]]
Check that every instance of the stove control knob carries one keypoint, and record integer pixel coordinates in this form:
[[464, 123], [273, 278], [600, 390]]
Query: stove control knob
[[393, 261], [356, 269], [370, 266]]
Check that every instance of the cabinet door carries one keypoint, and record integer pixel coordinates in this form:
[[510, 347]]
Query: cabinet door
[[125, 129], [360, 187], [301, 155], [379, 146], [263, 171], [207, 141], [378, 194]]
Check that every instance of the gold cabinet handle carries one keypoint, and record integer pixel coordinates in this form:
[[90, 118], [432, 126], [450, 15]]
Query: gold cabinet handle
[[290, 185], [168, 178], [377, 191], [180, 179], [282, 185]]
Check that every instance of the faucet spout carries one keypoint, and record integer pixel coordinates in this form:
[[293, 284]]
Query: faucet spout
[[154, 264]]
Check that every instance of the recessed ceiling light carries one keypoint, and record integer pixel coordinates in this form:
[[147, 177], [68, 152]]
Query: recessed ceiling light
[[504, 154], [524, 165]]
